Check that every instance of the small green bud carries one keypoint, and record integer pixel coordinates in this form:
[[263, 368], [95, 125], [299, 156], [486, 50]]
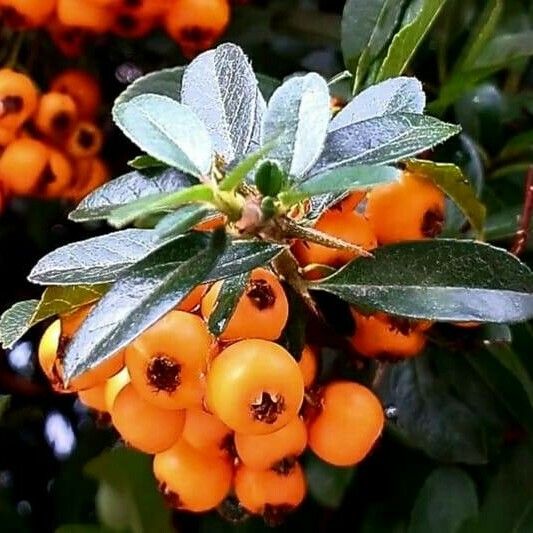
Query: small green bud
[[269, 178], [268, 207]]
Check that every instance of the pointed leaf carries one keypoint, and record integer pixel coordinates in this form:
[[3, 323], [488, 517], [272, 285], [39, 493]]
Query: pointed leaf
[[505, 48], [257, 132], [127, 189], [142, 162], [446, 500], [166, 82], [166, 130], [154, 286], [419, 18], [95, 260], [221, 87], [382, 140], [441, 280], [230, 293], [20, 318], [397, 95], [453, 182], [297, 118], [342, 180], [182, 220]]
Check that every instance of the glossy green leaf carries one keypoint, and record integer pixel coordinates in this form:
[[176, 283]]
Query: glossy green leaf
[[168, 131], [297, 119], [182, 220], [397, 95], [441, 280], [154, 286], [342, 180], [446, 500], [366, 28], [429, 416], [294, 333], [503, 224], [326, 483], [166, 82], [230, 293], [453, 183], [221, 88], [481, 33], [418, 19], [507, 505], [382, 140], [142, 162], [159, 203], [130, 473], [127, 189], [95, 260], [16, 321], [503, 49]]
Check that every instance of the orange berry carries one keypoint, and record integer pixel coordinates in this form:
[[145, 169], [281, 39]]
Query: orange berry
[[113, 386], [191, 480], [85, 140], [212, 223], [26, 13], [197, 24], [82, 88], [262, 310], [348, 425], [262, 452], [131, 25], [205, 432], [56, 115], [255, 386], [308, 364], [58, 176], [166, 363], [147, 8], [94, 398], [377, 336], [89, 174], [269, 493], [347, 225], [350, 202], [193, 299], [70, 40], [18, 99], [22, 165], [84, 14], [409, 209], [144, 426]]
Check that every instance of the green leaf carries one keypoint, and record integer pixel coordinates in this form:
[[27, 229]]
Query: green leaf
[[366, 28], [326, 483], [159, 203], [453, 183], [500, 51], [297, 117], [293, 336], [221, 88], [168, 131], [382, 140], [126, 189], [239, 173], [447, 499], [341, 180], [142, 162], [519, 145], [503, 224], [430, 416], [230, 293], [267, 85], [166, 82], [130, 473], [182, 220], [82, 528], [397, 95], [508, 504], [16, 321], [419, 18], [155, 285], [5, 401], [95, 260], [480, 34], [440, 280]]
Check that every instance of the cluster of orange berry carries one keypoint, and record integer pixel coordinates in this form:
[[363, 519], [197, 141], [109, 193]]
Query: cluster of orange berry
[[49, 142], [411, 208], [227, 416], [194, 24]]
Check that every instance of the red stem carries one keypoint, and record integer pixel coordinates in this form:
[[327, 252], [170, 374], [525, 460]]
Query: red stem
[[522, 235]]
